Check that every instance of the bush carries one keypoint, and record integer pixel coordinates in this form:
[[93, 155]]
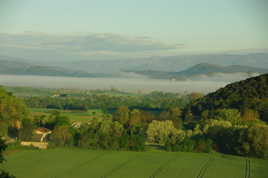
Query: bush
[[252, 141], [192, 144]]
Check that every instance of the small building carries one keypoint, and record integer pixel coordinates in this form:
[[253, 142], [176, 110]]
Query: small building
[[39, 138], [42, 133]]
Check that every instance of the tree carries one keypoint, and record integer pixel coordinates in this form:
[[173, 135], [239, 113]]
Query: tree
[[100, 133], [122, 115], [62, 136], [232, 115], [174, 115], [250, 114], [257, 140], [3, 129], [133, 139], [210, 124], [135, 118], [56, 120], [26, 130], [3, 146], [12, 111], [205, 115], [158, 131]]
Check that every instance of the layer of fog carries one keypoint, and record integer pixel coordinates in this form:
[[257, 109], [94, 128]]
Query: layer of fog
[[223, 77], [125, 84]]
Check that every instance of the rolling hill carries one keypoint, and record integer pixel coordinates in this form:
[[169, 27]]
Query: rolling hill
[[203, 69], [10, 67], [83, 163], [250, 93], [206, 68]]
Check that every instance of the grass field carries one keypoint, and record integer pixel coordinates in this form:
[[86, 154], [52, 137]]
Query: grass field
[[79, 163], [81, 116]]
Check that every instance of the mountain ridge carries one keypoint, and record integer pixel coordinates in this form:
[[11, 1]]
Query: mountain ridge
[[21, 68], [202, 69]]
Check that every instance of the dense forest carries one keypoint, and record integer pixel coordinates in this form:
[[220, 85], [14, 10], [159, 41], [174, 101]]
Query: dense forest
[[248, 94]]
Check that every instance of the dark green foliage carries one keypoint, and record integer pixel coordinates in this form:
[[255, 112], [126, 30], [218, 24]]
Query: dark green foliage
[[26, 132], [3, 146], [156, 101], [122, 115], [3, 129], [100, 134], [62, 136], [133, 139], [242, 104], [110, 135], [187, 145], [56, 120], [173, 114], [251, 93], [4, 174], [193, 144], [2, 149], [12, 111], [252, 141]]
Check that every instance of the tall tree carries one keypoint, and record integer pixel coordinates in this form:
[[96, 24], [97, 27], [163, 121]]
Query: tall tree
[[122, 115], [174, 115], [3, 146], [135, 118], [26, 131]]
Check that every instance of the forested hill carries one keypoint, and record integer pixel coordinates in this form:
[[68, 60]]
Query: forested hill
[[250, 93]]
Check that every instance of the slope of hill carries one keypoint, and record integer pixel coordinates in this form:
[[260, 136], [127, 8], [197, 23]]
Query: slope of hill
[[205, 68], [21, 68], [83, 163], [250, 93]]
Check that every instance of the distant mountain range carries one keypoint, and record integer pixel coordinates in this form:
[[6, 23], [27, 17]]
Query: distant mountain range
[[21, 68], [206, 68], [113, 65], [216, 67], [202, 69]]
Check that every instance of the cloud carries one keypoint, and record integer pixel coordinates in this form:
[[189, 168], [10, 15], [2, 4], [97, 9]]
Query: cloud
[[101, 43]]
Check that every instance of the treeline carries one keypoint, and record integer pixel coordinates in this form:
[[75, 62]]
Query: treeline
[[226, 131], [101, 133], [125, 130], [152, 101]]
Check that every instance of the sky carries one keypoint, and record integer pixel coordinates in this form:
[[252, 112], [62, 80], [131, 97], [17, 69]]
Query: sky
[[122, 28]]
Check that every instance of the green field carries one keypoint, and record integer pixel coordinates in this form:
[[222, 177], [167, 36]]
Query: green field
[[80, 163], [81, 116]]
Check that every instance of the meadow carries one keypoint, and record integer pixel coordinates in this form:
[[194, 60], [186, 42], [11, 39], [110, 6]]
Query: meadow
[[81, 163], [78, 116]]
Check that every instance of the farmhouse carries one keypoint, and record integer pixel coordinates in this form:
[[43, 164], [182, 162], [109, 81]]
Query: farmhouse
[[42, 133], [38, 139]]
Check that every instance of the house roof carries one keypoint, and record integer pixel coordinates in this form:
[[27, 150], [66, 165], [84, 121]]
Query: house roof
[[43, 130]]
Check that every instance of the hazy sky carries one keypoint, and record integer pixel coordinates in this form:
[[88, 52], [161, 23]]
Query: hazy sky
[[154, 25]]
